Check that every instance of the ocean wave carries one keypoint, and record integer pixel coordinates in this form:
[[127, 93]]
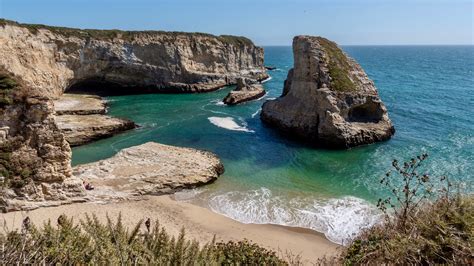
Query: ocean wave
[[147, 125], [228, 123], [256, 112], [266, 80], [339, 219], [188, 194], [218, 102], [265, 95]]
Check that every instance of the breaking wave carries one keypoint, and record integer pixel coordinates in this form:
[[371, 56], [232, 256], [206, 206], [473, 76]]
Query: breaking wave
[[339, 219], [218, 102], [228, 123], [256, 112]]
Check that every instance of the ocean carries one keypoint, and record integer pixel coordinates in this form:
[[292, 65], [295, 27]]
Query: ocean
[[429, 94]]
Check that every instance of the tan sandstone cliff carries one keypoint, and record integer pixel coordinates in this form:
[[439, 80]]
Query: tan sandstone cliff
[[39, 63], [53, 59], [327, 99]]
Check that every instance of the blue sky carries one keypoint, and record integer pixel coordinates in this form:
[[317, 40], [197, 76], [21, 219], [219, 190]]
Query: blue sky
[[266, 22]]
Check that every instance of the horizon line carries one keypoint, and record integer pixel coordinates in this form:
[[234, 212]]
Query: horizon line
[[434, 44]]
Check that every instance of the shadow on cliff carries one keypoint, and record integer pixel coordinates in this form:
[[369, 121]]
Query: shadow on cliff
[[107, 88]]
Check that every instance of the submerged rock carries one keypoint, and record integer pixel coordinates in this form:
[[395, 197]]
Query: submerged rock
[[327, 99], [245, 91], [150, 168]]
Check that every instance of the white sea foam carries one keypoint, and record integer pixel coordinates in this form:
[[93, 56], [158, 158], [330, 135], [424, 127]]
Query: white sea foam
[[188, 194], [228, 123], [256, 112], [218, 102], [339, 219], [266, 80], [265, 95]]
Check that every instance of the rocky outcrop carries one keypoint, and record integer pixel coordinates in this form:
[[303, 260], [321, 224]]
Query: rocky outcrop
[[80, 104], [54, 59], [81, 118], [327, 99], [35, 159], [244, 92], [150, 168], [82, 129]]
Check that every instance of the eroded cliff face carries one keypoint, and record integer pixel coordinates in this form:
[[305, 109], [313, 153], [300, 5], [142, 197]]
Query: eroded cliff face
[[53, 59], [328, 99], [35, 159]]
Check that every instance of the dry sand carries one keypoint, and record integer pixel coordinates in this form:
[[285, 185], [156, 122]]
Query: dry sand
[[200, 224]]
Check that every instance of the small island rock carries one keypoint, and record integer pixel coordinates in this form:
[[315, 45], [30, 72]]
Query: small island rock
[[328, 100], [246, 91]]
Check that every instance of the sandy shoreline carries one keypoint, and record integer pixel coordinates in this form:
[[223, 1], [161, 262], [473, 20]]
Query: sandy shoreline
[[200, 224]]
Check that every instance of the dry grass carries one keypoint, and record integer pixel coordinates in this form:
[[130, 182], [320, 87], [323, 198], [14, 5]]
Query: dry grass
[[91, 242], [439, 233], [426, 223]]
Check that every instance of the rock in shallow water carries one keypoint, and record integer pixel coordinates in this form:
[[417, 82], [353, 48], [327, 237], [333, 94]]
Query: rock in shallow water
[[82, 129], [81, 118], [245, 91], [327, 99], [150, 168]]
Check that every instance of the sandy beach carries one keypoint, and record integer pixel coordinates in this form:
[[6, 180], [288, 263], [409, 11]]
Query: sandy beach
[[200, 224]]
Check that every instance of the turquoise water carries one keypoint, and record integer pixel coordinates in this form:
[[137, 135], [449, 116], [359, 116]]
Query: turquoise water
[[428, 90]]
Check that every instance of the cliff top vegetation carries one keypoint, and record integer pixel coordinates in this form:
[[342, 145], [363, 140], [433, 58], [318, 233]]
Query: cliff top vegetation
[[122, 34]]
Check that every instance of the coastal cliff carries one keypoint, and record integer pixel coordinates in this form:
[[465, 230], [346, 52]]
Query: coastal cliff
[[35, 159], [328, 99], [55, 59], [39, 63]]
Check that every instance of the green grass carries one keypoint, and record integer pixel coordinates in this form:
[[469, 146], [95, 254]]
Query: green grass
[[339, 67], [93, 242], [125, 35], [7, 84]]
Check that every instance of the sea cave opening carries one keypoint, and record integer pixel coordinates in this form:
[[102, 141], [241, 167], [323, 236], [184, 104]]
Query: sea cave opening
[[369, 112], [102, 87]]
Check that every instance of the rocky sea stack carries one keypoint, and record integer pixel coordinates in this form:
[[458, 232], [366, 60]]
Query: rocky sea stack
[[328, 99], [246, 91]]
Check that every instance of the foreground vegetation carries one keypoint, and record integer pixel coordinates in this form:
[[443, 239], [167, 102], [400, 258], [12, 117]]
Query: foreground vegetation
[[426, 223], [93, 242]]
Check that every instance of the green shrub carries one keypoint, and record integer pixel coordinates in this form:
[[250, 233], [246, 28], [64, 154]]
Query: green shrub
[[426, 223], [93, 242], [339, 67], [7, 84]]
